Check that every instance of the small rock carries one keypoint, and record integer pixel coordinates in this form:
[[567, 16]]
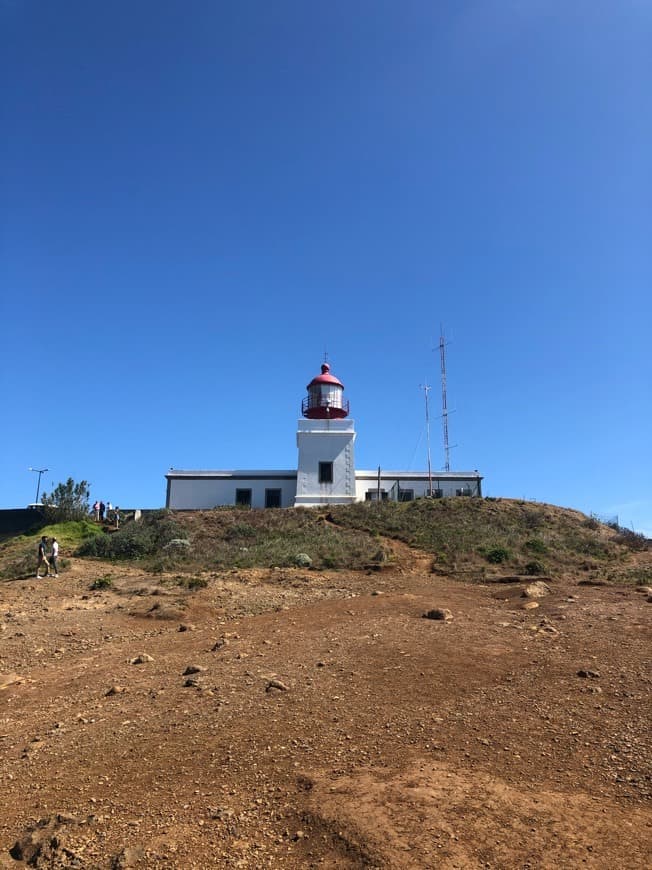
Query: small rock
[[441, 613], [530, 605], [584, 672], [276, 684], [645, 590], [131, 856], [223, 641], [538, 589], [187, 626], [141, 659], [193, 669], [115, 690], [192, 683]]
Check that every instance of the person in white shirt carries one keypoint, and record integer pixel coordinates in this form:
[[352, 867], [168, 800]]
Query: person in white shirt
[[54, 557]]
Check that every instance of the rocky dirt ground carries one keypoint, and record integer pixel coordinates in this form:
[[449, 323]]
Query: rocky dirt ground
[[287, 718]]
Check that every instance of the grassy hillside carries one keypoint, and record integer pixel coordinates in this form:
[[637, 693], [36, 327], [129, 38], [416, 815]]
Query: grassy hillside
[[474, 539], [18, 554], [236, 538], [524, 536]]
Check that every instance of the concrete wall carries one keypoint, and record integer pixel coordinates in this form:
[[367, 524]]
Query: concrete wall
[[447, 483], [325, 441], [196, 492], [206, 490], [16, 520]]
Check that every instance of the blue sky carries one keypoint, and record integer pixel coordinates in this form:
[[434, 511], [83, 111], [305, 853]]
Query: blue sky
[[199, 199]]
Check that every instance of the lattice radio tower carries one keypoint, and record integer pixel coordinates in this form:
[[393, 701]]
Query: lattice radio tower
[[444, 405]]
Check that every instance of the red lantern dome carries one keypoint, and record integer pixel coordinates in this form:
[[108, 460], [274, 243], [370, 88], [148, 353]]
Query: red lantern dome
[[325, 399]]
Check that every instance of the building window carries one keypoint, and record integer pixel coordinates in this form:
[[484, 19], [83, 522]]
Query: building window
[[325, 472], [372, 495], [272, 498], [243, 497], [406, 495], [464, 490]]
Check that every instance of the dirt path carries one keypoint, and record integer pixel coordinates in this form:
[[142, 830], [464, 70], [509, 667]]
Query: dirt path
[[325, 723]]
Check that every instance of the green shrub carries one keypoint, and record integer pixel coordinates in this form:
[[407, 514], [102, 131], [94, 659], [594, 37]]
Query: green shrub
[[536, 545], [148, 536], [180, 545], [302, 560], [102, 583], [497, 555], [239, 531], [534, 567], [632, 540]]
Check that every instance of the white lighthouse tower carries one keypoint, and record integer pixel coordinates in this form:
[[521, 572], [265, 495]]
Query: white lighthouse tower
[[325, 436]]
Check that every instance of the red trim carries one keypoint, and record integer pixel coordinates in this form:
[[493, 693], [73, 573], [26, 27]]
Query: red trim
[[325, 377], [319, 411]]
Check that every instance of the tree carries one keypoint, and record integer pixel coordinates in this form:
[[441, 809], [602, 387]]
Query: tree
[[70, 500]]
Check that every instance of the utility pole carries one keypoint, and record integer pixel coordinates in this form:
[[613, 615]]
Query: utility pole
[[426, 389], [39, 471]]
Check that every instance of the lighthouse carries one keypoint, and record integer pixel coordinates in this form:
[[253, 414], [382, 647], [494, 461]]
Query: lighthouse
[[325, 437]]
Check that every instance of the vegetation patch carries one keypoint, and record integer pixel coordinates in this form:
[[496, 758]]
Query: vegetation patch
[[136, 540], [273, 538], [463, 535], [18, 555], [498, 555]]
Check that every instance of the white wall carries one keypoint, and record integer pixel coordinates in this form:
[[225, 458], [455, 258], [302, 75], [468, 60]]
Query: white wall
[[325, 441], [447, 482], [196, 493]]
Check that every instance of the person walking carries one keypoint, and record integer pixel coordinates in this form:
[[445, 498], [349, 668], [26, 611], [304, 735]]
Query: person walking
[[116, 516], [54, 557], [42, 558], [102, 509]]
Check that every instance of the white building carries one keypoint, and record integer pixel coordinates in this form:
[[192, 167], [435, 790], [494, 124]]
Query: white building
[[325, 473]]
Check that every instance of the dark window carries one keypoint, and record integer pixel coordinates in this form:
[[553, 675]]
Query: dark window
[[438, 493], [325, 472], [464, 490], [272, 498], [243, 497], [406, 495], [372, 495]]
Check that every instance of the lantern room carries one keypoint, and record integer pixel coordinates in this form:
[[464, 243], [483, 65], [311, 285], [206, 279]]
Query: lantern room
[[325, 399]]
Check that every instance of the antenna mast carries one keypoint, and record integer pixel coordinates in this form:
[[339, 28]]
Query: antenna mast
[[444, 406], [426, 389]]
